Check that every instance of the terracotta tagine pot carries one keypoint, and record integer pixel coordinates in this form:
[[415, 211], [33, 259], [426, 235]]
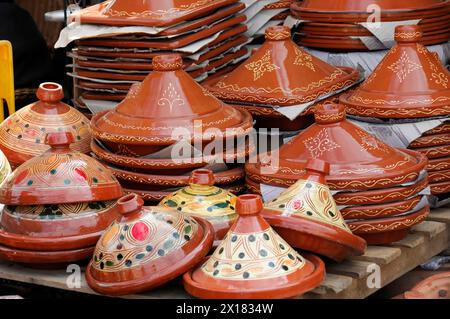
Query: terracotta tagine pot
[[253, 261], [178, 108], [5, 168], [148, 247], [201, 198], [280, 74], [358, 160], [307, 217], [153, 13], [22, 135], [59, 176], [410, 82], [434, 287]]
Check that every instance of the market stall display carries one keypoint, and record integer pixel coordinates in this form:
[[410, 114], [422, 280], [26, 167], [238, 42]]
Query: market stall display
[[56, 206], [253, 261]]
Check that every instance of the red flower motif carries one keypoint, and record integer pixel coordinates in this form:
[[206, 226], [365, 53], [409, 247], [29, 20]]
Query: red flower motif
[[140, 231]]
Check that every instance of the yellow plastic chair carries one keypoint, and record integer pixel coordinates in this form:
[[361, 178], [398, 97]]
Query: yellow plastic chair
[[6, 78]]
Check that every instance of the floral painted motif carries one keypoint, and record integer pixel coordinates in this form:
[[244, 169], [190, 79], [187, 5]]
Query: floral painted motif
[[320, 144], [404, 66], [262, 66], [304, 59]]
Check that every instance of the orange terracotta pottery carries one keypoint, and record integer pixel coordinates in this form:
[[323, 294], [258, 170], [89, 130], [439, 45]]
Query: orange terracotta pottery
[[358, 160], [434, 287], [22, 135], [201, 198], [143, 124], [148, 247], [253, 261], [154, 13], [307, 217], [410, 82]]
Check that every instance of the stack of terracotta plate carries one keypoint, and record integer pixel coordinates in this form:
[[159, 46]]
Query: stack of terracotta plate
[[411, 84], [57, 206], [279, 79], [338, 25], [378, 188], [168, 126], [209, 35]]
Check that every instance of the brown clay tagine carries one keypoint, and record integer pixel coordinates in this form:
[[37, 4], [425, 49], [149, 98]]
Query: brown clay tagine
[[147, 248], [434, 287], [201, 198], [307, 217], [22, 135], [253, 261]]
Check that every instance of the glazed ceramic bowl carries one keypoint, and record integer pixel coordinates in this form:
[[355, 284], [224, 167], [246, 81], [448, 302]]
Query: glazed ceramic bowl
[[22, 135], [146, 248], [59, 176], [253, 261]]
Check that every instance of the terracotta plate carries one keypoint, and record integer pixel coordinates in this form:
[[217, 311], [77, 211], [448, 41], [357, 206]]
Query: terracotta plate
[[439, 176], [440, 188], [435, 152], [439, 164]]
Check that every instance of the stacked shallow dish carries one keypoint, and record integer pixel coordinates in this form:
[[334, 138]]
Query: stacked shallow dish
[[152, 142], [378, 188], [339, 25], [22, 135], [278, 77], [128, 34], [57, 206], [411, 84]]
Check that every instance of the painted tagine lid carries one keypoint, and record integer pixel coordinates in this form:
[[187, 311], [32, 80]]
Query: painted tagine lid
[[201, 198], [307, 217], [358, 160], [176, 102], [410, 82], [146, 248], [5, 168], [434, 287], [22, 135], [59, 176], [155, 13], [281, 73], [253, 261]]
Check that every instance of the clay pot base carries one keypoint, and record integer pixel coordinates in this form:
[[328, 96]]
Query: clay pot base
[[383, 231], [374, 197], [439, 176], [45, 259], [435, 152], [240, 289], [431, 141], [316, 237], [441, 129], [160, 277], [440, 188], [438, 164]]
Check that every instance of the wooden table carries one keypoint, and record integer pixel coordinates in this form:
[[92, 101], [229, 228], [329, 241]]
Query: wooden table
[[346, 280]]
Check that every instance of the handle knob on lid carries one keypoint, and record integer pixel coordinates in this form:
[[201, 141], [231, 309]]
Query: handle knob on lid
[[329, 113], [408, 33], [203, 177], [278, 33], [59, 139], [249, 205], [130, 204], [318, 165], [167, 62], [50, 92]]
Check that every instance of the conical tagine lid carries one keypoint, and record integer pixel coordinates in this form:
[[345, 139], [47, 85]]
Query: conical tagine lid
[[176, 102], [307, 217], [253, 261], [22, 135], [5, 168], [201, 198], [358, 160], [155, 13], [281, 73], [59, 176], [410, 82], [148, 247]]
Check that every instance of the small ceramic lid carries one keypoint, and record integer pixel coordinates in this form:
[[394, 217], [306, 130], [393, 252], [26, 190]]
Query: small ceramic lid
[[357, 159], [410, 82], [148, 247], [22, 135], [5, 168], [308, 215], [281, 73], [59, 176], [253, 261], [177, 102], [201, 198], [155, 13]]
